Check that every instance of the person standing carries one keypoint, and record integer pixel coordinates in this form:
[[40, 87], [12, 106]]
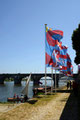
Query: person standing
[[67, 85], [70, 85]]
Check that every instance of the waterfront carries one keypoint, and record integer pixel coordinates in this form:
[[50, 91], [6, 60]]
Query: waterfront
[[8, 89]]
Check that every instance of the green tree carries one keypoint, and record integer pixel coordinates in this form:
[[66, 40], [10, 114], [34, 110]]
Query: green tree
[[76, 44]]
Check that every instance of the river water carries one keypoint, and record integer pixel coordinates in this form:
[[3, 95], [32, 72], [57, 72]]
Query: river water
[[8, 89]]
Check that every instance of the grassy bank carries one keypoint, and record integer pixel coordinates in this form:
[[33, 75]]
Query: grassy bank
[[63, 104], [30, 108]]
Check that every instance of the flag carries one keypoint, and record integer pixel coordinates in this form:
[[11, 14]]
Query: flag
[[55, 53], [69, 71], [61, 58], [51, 42], [69, 66]]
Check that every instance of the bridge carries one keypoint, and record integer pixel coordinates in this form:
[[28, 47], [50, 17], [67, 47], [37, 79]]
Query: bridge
[[35, 77]]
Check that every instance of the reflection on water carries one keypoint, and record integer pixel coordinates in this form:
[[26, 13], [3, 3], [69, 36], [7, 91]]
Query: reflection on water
[[9, 89]]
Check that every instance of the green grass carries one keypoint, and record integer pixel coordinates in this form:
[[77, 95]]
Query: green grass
[[44, 99]]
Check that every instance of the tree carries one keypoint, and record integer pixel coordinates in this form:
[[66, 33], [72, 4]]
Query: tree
[[76, 44]]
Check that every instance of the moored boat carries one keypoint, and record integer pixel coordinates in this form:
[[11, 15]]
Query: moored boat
[[14, 99]]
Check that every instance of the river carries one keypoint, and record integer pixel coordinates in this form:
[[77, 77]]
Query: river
[[8, 89]]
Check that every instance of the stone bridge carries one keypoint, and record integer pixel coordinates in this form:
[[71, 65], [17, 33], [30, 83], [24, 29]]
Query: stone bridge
[[35, 77]]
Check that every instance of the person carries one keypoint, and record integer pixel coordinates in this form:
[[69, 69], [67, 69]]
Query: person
[[67, 85], [14, 95], [17, 98], [70, 85], [22, 98], [25, 98]]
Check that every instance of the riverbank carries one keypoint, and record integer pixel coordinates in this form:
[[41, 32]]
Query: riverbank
[[49, 107], [5, 107], [60, 106]]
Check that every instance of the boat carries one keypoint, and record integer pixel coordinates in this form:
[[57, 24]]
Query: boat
[[14, 99], [25, 90], [24, 96], [41, 89]]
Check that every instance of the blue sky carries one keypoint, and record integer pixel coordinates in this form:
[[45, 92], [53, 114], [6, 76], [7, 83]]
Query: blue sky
[[22, 32]]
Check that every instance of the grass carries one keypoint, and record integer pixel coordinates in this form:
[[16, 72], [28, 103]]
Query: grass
[[27, 108], [44, 99], [41, 99]]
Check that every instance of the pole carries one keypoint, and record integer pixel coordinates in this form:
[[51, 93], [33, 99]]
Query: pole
[[59, 76], [55, 73], [55, 79], [45, 59], [51, 80]]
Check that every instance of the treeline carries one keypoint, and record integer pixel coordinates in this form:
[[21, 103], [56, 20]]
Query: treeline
[[9, 79], [12, 79]]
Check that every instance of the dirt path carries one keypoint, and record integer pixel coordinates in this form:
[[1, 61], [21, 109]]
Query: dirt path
[[62, 106], [7, 107], [50, 111]]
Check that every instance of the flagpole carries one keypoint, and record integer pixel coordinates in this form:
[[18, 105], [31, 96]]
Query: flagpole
[[55, 76], [52, 80], [55, 79], [45, 60], [59, 75]]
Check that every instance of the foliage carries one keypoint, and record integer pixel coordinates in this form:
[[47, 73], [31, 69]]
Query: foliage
[[9, 79], [76, 44]]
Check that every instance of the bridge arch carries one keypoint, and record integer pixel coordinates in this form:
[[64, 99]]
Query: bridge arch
[[37, 77], [48, 81]]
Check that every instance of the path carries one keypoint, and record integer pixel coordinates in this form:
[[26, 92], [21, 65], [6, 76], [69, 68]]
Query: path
[[51, 111], [62, 107]]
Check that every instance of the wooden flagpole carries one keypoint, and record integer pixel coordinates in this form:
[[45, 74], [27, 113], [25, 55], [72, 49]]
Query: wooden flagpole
[[45, 60]]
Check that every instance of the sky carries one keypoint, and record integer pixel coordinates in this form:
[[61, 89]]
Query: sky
[[22, 32]]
